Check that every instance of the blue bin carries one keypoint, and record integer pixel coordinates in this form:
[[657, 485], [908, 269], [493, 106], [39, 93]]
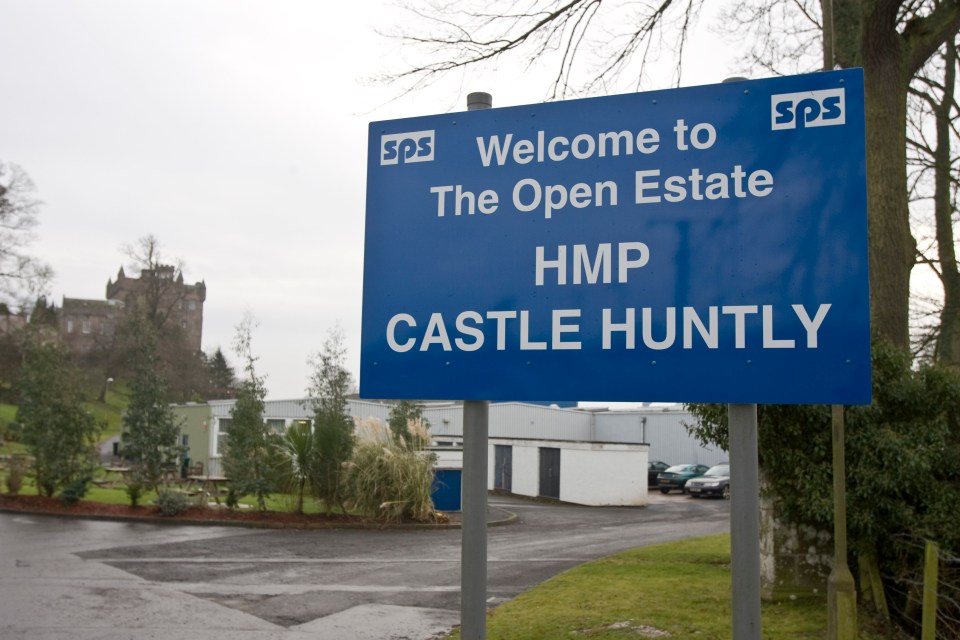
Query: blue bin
[[446, 489]]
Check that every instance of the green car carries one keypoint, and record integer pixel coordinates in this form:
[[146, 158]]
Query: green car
[[676, 476]]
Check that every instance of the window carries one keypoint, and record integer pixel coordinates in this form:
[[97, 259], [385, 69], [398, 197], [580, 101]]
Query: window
[[183, 324], [223, 426], [192, 305], [277, 425], [69, 326], [87, 326]]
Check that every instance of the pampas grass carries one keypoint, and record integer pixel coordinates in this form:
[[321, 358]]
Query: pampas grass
[[389, 480]]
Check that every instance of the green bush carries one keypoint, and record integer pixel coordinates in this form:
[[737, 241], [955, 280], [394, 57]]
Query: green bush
[[14, 481], [172, 503], [13, 431], [73, 491], [134, 493], [18, 469]]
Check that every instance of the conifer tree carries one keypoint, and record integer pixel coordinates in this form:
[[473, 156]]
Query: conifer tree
[[150, 429], [249, 443], [333, 426], [223, 378]]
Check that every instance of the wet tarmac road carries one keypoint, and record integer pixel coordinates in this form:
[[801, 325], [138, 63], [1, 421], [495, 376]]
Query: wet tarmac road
[[65, 578]]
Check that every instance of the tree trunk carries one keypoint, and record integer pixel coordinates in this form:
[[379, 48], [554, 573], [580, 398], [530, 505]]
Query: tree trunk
[[948, 344], [892, 246]]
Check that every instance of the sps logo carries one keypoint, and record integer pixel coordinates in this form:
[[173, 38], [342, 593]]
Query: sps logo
[[807, 109], [404, 148]]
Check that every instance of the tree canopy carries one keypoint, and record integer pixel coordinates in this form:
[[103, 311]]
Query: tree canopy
[[222, 377], [57, 430]]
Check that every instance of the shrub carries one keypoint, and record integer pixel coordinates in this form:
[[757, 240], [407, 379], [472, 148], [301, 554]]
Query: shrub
[[13, 431], [18, 469], [172, 503], [387, 480], [73, 491], [294, 451], [134, 493]]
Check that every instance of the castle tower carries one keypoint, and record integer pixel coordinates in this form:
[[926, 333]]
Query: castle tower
[[89, 324]]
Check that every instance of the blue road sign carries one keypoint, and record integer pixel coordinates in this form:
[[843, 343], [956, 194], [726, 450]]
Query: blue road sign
[[705, 244]]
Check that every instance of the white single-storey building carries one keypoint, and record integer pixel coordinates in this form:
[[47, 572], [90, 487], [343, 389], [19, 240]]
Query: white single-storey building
[[584, 456]]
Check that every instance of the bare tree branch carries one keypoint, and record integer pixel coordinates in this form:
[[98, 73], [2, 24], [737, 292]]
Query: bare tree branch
[[159, 291], [590, 44], [22, 276]]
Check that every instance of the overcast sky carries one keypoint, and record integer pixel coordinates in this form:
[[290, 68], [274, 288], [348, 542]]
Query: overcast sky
[[235, 132]]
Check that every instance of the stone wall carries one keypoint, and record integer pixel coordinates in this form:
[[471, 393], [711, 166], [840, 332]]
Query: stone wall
[[795, 560]]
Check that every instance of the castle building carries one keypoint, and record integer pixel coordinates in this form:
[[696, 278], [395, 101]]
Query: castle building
[[88, 325]]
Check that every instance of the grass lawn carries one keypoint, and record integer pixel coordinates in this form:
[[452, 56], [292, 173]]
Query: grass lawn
[[682, 588], [108, 412], [7, 413]]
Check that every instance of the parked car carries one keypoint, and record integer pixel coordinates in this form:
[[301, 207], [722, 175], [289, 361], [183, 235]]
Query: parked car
[[654, 468], [715, 482], [676, 477]]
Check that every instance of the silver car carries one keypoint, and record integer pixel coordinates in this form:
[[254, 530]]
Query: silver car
[[715, 482]]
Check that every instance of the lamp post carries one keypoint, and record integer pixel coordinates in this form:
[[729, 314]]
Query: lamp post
[[103, 394]]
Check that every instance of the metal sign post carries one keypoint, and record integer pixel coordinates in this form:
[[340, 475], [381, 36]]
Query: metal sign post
[[841, 590], [744, 521], [473, 550]]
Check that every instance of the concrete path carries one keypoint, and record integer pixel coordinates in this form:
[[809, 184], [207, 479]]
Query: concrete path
[[84, 580]]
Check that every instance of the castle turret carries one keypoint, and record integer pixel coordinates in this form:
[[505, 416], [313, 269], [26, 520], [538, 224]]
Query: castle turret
[[165, 282]]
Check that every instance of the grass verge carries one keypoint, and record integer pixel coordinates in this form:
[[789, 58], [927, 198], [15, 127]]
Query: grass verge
[[680, 589]]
